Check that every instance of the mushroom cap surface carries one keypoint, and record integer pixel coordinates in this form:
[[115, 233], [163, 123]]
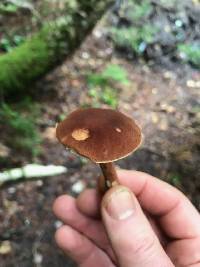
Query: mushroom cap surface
[[102, 135]]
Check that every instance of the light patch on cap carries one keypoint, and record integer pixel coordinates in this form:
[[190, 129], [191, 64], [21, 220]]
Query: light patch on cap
[[118, 130], [80, 134]]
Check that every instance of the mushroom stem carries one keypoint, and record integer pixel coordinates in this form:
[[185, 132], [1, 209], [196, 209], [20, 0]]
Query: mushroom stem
[[110, 174]]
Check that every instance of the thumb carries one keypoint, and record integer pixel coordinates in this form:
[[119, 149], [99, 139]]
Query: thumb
[[132, 238]]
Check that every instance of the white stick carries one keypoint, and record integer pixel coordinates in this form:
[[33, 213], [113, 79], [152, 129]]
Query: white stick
[[31, 171]]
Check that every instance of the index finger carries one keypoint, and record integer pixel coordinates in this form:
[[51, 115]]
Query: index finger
[[176, 214]]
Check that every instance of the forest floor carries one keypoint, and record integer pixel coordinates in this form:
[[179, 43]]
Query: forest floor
[[164, 102]]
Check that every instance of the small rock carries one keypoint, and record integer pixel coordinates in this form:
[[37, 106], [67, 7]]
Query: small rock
[[168, 75], [154, 91], [167, 28], [85, 55], [58, 224], [11, 190], [78, 187], [193, 84], [167, 108], [178, 23], [97, 33], [39, 183], [37, 258], [27, 222]]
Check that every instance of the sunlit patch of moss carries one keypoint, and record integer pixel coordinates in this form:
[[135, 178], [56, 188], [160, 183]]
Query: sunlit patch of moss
[[101, 86], [20, 124]]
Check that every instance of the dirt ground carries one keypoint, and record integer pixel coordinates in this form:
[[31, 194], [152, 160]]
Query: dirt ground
[[164, 103]]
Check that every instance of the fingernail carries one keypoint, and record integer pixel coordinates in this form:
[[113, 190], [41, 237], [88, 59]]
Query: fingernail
[[120, 204]]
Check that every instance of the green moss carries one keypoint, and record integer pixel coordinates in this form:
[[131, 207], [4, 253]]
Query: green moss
[[24, 63], [135, 38], [20, 125], [102, 85], [34, 57], [39, 53], [138, 10], [191, 53]]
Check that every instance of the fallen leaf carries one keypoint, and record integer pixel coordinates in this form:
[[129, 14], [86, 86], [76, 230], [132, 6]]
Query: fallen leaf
[[11, 206], [163, 125], [5, 247], [4, 151], [193, 84], [154, 118]]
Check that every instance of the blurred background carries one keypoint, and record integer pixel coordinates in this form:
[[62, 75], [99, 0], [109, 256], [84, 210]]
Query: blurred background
[[141, 57]]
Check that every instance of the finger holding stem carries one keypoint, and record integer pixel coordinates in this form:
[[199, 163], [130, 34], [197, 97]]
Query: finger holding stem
[[110, 174]]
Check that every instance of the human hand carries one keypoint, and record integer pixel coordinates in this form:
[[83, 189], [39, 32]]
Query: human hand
[[145, 222]]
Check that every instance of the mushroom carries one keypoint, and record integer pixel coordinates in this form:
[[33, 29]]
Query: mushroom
[[102, 135]]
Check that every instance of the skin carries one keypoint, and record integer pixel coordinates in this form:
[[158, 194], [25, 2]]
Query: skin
[[158, 226]]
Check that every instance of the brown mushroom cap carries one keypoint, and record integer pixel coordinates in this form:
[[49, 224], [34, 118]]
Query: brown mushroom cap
[[102, 135]]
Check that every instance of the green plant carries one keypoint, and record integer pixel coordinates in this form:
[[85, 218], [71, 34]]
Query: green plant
[[9, 43], [5, 44], [191, 53], [106, 95], [138, 10], [175, 179], [109, 97], [21, 127], [111, 73], [138, 33], [12, 6], [8, 8], [102, 85], [134, 38], [61, 117], [116, 73]]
